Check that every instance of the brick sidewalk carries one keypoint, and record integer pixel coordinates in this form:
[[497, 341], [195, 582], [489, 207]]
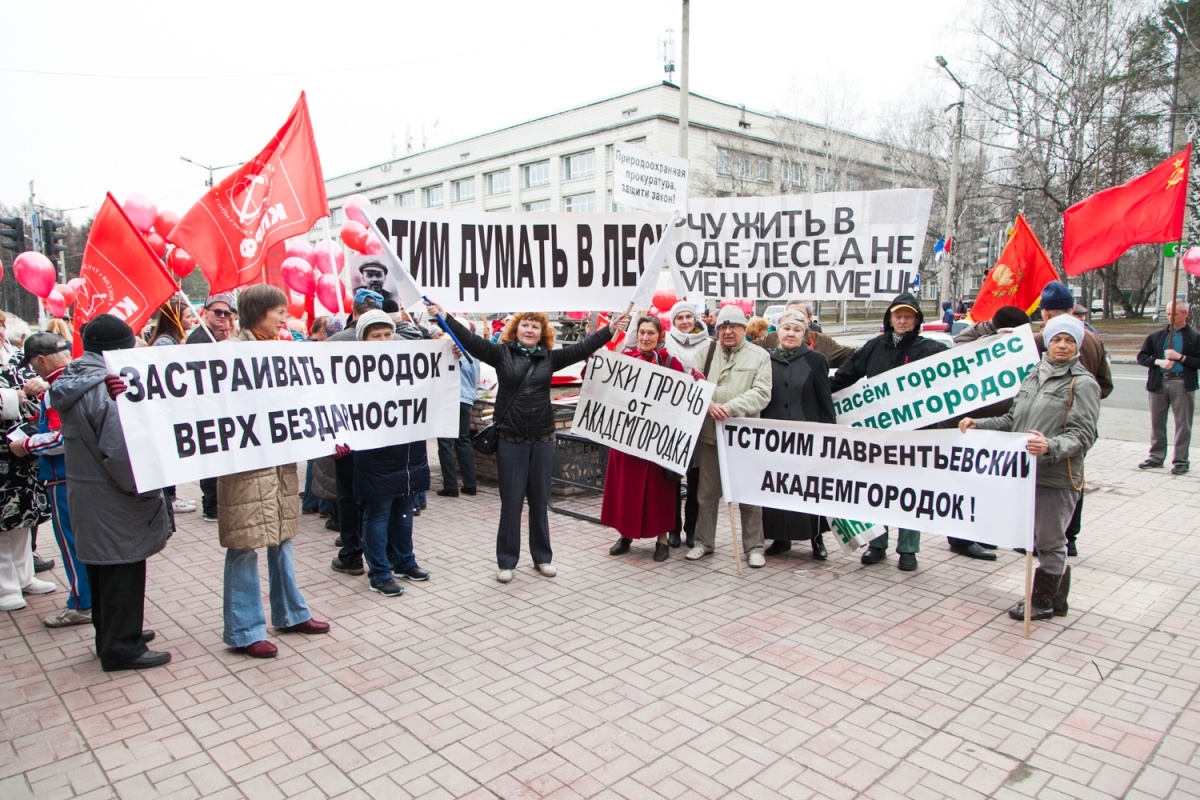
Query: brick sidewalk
[[626, 678]]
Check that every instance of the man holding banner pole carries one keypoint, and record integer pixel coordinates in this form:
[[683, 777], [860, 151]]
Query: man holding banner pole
[[742, 373]]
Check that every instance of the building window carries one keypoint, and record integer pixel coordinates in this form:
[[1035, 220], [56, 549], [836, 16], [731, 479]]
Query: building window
[[793, 174], [336, 216], [502, 208], [762, 170], [580, 203], [741, 166], [536, 174], [498, 182], [464, 190], [579, 165], [405, 199], [723, 161], [540, 205], [379, 201], [820, 180], [433, 196]]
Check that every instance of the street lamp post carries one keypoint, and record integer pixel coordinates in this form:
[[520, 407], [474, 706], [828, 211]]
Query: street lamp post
[[209, 182], [944, 271]]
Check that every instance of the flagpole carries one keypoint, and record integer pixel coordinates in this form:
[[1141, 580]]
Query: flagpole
[[341, 309], [1191, 133], [737, 539]]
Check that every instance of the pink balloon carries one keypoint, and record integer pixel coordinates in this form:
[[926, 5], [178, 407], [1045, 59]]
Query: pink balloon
[[576, 314], [355, 235], [746, 305], [298, 275], [180, 262], [329, 291], [298, 248], [66, 291], [1191, 260], [355, 208], [75, 284], [374, 245], [165, 222], [35, 272], [324, 262], [665, 319], [727, 302], [141, 211], [157, 244], [56, 304]]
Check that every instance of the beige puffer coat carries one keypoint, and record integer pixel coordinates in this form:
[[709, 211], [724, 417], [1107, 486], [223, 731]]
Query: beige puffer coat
[[259, 508]]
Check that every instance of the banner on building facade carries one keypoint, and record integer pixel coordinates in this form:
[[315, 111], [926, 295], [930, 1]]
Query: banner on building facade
[[473, 262], [977, 485], [940, 387], [203, 411], [642, 409], [832, 246], [649, 181]]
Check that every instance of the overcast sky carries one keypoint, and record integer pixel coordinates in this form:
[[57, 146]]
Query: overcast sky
[[107, 96]]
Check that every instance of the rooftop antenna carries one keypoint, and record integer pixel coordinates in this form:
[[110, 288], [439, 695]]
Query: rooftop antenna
[[408, 139], [667, 48]]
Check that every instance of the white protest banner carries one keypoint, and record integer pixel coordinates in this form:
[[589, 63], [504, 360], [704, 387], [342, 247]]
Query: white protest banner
[[833, 246], [648, 181], [642, 409], [853, 535], [200, 411], [942, 386], [506, 261], [977, 485]]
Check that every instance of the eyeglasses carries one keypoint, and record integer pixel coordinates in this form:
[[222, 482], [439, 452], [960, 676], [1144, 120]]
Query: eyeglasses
[[221, 314]]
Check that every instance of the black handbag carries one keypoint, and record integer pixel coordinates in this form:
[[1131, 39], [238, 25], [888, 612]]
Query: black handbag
[[487, 441]]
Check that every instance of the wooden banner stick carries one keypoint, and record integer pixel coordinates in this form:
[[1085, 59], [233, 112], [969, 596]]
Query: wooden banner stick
[[1028, 590], [737, 539]]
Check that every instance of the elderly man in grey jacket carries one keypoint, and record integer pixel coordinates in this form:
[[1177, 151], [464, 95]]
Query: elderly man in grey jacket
[[742, 373], [116, 527]]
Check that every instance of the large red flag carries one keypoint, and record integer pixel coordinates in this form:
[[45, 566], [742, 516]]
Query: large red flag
[[121, 275], [278, 194], [1019, 276], [1149, 209]]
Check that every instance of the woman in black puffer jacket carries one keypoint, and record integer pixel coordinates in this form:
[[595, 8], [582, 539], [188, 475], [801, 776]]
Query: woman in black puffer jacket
[[525, 457]]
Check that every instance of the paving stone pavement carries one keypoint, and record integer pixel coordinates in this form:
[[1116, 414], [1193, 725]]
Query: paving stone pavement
[[623, 678]]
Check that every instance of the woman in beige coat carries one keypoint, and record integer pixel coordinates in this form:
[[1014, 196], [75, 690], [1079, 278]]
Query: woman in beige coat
[[259, 509]]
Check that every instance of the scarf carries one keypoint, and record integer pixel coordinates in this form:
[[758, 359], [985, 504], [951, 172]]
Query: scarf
[[528, 351], [799, 350], [684, 345], [658, 355], [1049, 368]]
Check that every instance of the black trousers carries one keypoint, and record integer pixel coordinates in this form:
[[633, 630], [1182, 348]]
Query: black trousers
[[525, 471], [448, 448], [1076, 520], [685, 512], [208, 496], [118, 608], [349, 512]]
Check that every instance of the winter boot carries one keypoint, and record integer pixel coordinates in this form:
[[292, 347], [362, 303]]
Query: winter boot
[[1044, 587], [1060, 597]]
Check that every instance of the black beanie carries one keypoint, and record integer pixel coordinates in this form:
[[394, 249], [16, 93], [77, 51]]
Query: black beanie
[[107, 332]]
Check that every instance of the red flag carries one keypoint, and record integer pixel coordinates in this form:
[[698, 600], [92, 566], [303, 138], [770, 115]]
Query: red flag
[[1149, 209], [121, 275], [1019, 276], [278, 194]]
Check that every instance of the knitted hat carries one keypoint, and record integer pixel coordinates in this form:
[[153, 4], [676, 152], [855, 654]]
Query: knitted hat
[[1057, 297], [372, 317], [107, 332], [1063, 323], [793, 316], [683, 305], [731, 315]]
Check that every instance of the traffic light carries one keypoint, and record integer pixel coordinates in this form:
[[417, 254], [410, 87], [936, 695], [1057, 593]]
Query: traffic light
[[53, 242], [12, 235], [984, 258]]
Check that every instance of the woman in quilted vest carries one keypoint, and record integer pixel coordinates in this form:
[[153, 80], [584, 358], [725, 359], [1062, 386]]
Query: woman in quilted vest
[[258, 509]]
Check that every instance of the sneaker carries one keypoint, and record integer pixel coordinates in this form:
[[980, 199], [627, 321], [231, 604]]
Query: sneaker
[[207, 517], [503, 576], [756, 560], [696, 553], [348, 567], [36, 586], [14, 602], [908, 561], [182, 506], [68, 617], [547, 570], [42, 564], [389, 589], [413, 574]]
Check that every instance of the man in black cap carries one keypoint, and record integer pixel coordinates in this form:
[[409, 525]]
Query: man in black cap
[[116, 527]]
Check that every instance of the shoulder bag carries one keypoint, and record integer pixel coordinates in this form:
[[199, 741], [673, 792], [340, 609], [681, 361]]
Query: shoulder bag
[[487, 440]]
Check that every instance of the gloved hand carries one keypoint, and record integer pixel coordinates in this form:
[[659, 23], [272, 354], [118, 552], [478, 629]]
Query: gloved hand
[[116, 386], [340, 451]]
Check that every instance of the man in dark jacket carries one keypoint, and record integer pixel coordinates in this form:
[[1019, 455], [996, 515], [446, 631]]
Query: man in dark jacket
[[1172, 356], [216, 323], [116, 527], [899, 344]]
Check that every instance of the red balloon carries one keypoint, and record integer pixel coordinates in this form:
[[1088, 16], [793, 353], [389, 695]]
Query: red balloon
[[746, 305], [141, 211], [374, 245], [665, 319], [296, 310], [66, 291], [157, 243], [298, 275], [56, 304], [180, 262], [298, 248], [324, 262], [665, 298], [75, 283], [165, 222], [35, 272], [355, 235], [330, 291], [576, 314], [1191, 261]]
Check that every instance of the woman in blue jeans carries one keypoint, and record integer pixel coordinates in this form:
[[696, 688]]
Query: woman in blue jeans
[[258, 509]]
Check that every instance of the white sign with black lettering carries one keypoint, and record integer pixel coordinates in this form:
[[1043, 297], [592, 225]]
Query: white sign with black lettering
[[832, 246], [977, 485], [642, 409], [507, 261], [201, 411], [648, 181]]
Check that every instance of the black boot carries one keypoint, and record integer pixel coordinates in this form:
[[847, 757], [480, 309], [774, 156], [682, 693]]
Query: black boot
[[622, 546], [691, 540], [1044, 587], [1060, 597], [778, 546], [673, 539], [818, 547]]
